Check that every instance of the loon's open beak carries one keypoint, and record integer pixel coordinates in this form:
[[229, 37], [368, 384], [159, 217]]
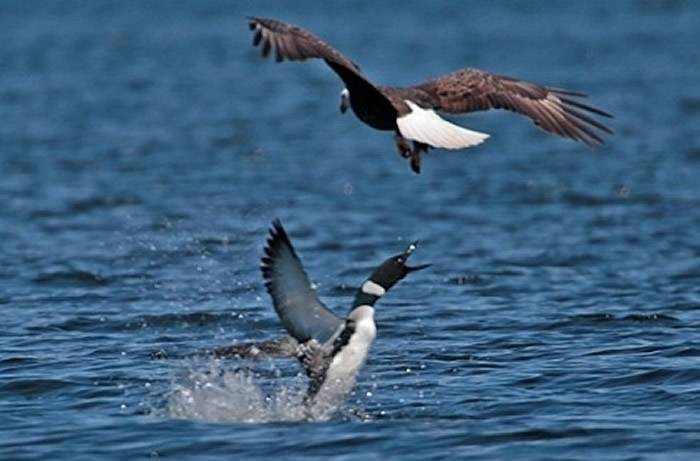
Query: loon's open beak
[[417, 268], [411, 248]]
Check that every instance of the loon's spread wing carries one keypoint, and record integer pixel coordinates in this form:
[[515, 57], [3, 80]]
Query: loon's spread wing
[[296, 303], [285, 346]]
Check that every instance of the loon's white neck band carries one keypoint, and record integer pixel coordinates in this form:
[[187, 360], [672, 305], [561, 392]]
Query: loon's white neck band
[[373, 289]]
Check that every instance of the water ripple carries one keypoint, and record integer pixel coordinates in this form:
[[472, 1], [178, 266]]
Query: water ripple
[[142, 160]]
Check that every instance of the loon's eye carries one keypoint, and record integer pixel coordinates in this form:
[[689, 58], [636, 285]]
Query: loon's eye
[[400, 260]]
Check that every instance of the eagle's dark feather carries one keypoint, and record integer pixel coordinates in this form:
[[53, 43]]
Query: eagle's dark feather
[[552, 109], [555, 110], [296, 44]]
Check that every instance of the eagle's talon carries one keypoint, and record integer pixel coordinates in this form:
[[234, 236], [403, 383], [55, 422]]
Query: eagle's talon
[[404, 149], [415, 163]]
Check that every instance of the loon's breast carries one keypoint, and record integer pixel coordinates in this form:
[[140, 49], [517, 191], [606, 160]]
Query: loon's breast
[[351, 357], [346, 363]]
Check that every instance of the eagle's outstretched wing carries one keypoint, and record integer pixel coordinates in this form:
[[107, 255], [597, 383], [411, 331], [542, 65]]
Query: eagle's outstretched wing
[[296, 44], [554, 110]]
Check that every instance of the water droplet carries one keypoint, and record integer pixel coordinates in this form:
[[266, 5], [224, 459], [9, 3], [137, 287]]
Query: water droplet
[[347, 188]]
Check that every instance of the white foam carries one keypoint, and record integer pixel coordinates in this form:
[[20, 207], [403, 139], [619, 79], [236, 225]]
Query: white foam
[[217, 394]]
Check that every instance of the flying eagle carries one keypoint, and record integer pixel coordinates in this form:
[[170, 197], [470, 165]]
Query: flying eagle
[[411, 112]]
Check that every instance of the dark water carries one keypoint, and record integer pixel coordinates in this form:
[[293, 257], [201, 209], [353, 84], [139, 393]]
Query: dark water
[[145, 148]]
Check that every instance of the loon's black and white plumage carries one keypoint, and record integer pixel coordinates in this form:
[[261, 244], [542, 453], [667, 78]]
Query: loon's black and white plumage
[[331, 349], [411, 112]]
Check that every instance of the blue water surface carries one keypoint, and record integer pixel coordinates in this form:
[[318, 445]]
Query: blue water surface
[[145, 147]]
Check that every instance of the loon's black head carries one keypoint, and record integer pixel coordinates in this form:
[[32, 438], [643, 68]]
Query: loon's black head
[[386, 276], [395, 268]]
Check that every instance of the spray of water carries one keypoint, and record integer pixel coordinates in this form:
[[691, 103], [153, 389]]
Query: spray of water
[[217, 394]]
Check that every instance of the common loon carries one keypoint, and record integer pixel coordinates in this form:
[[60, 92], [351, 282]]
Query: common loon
[[331, 349]]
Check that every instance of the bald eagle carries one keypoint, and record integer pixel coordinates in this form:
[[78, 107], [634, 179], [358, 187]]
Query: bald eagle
[[412, 112]]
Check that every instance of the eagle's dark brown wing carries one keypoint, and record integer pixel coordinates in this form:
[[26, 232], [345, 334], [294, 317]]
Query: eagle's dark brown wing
[[296, 44], [554, 110]]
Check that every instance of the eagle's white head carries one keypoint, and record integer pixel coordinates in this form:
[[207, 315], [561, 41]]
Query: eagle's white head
[[344, 100]]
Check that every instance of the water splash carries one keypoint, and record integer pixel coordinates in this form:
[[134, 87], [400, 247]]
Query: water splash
[[217, 394], [214, 393]]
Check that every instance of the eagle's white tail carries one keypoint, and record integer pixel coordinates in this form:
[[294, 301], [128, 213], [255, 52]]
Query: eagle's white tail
[[425, 126]]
